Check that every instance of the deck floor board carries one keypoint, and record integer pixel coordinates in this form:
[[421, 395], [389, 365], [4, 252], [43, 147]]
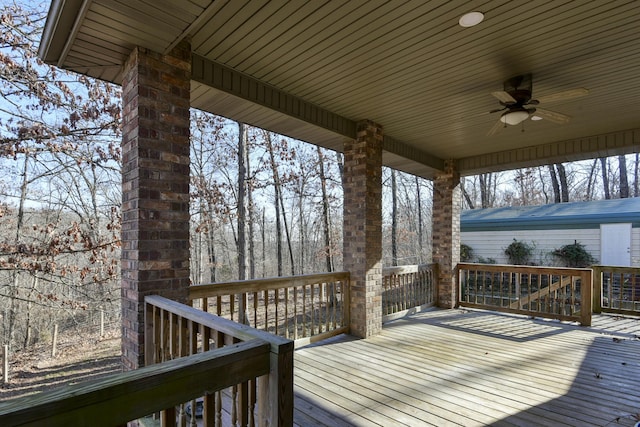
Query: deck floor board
[[473, 368]]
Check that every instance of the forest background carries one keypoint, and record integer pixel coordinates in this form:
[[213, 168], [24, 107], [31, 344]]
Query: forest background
[[262, 204]]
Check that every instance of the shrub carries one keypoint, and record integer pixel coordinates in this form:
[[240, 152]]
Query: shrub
[[489, 260], [519, 252], [574, 255], [466, 253]]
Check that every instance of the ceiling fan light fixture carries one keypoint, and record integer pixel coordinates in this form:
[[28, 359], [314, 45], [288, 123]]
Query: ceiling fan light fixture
[[470, 19], [514, 117]]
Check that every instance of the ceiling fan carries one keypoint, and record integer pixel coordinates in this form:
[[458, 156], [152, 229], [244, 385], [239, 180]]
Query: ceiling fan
[[518, 106]]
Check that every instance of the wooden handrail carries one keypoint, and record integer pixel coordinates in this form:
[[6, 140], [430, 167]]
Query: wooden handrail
[[257, 285], [520, 268], [406, 269], [127, 396]]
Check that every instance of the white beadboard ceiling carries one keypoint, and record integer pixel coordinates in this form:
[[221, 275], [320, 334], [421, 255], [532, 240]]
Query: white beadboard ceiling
[[312, 69]]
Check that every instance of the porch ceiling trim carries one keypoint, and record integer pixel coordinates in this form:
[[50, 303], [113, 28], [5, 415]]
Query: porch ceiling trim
[[611, 144]]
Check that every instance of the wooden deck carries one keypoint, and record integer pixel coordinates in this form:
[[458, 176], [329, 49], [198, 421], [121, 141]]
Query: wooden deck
[[473, 368]]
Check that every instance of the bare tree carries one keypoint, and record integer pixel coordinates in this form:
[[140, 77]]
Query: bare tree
[[326, 232], [242, 147], [394, 219], [624, 181], [64, 130], [636, 183], [277, 185], [605, 177]]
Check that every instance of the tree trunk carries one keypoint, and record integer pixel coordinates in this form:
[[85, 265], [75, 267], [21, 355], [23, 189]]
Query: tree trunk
[[242, 261], [28, 334], [624, 181], [486, 184], [278, 190], [591, 180], [605, 178], [562, 178], [325, 213], [301, 227], [394, 219], [211, 250], [554, 184], [544, 187], [420, 226], [251, 215], [340, 165], [278, 233], [13, 310], [636, 182], [264, 251], [467, 198]]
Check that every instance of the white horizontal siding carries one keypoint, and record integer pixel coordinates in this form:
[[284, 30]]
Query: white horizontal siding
[[635, 247], [491, 244]]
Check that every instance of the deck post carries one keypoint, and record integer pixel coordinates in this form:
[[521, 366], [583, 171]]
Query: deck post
[[586, 303], [446, 232], [597, 289], [362, 230], [155, 187]]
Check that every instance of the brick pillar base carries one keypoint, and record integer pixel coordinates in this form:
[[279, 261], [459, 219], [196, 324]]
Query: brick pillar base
[[362, 230], [155, 187], [446, 232]]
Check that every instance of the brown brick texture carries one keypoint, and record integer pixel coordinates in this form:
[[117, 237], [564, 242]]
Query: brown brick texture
[[446, 232], [155, 187], [362, 230]]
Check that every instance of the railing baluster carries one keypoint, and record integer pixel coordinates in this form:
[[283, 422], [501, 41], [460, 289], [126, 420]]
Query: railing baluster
[[295, 312], [314, 309], [285, 322], [327, 308], [265, 309]]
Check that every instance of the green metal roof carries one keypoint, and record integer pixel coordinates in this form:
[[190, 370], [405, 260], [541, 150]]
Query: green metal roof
[[554, 216]]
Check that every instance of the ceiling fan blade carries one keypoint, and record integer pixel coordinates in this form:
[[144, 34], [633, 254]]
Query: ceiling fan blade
[[496, 127], [564, 95], [504, 97], [552, 116], [497, 109]]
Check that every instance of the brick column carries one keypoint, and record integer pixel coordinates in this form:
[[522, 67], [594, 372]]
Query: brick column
[[155, 187], [446, 232], [362, 230]]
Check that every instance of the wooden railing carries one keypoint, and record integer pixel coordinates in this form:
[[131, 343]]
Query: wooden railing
[[616, 289], [553, 292], [198, 365], [128, 396], [407, 289], [174, 330], [304, 308]]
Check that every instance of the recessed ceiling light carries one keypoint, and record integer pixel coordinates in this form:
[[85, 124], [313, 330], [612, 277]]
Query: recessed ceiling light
[[470, 19], [536, 118]]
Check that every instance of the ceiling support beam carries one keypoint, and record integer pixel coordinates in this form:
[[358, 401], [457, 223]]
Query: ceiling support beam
[[590, 147], [246, 87], [408, 152], [228, 80]]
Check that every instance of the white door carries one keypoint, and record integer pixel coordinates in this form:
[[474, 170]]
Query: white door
[[615, 244]]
